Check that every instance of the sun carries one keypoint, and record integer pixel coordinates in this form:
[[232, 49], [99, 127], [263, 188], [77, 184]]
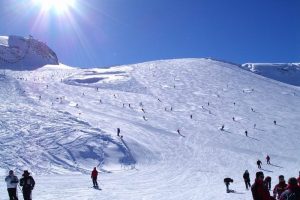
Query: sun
[[58, 5]]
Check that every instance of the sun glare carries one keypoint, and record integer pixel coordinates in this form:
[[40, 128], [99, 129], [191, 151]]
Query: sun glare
[[58, 5]]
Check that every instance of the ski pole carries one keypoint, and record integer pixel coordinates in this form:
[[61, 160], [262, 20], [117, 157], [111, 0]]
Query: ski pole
[[101, 183], [20, 188]]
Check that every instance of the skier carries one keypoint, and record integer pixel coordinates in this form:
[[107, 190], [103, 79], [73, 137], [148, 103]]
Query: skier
[[292, 191], [259, 164], [246, 133], [254, 125], [191, 116], [233, 119], [267, 181], [259, 189], [100, 101], [222, 128], [118, 131], [233, 103], [268, 159], [28, 183], [144, 118], [252, 109], [94, 177], [274, 122], [143, 110], [227, 183], [280, 187], [208, 103], [12, 182], [246, 177]]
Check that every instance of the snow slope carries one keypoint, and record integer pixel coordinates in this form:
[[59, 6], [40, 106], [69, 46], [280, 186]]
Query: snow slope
[[19, 53], [60, 142], [284, 72]]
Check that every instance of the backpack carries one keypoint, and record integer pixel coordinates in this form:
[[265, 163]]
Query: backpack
[[289, 195]]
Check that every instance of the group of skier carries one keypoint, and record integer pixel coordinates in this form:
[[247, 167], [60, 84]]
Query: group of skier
[[26, 182], [261, 186]]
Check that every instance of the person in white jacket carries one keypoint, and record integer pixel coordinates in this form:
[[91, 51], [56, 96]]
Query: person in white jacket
[[12, 184]]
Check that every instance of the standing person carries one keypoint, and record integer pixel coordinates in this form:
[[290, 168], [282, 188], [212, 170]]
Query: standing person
[[178, 131], [246, 177], [292, 191], [259, 189], [279, 188], [259, 164], [268, 159], [12, 183], [118, 131], [222, 128], [28, 183], [274, 122], [254, 125], [246, 133], [94, 177], [227, 183], [267, 181]]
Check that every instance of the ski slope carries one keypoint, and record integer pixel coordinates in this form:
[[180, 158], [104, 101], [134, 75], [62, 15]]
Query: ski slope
[[60, 132]]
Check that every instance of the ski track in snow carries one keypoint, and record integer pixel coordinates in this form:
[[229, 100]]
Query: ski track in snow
[[61, 147]]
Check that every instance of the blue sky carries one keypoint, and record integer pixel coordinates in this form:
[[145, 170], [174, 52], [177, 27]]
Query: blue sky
[[102, 33]]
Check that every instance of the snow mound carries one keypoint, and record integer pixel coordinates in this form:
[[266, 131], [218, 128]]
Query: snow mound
[[285, 72], [19, 53]]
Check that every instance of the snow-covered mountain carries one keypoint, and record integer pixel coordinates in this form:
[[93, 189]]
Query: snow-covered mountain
[[59, 122], [19, 53], [284, 72]]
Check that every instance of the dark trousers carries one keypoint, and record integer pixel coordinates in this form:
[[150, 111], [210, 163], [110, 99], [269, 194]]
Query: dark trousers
[[27, 193], [268, 162], [12, 193], [95, 181], [247, 183], [227, 186]]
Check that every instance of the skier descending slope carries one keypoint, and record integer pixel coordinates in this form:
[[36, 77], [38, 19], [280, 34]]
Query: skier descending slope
[[246, 177], [94, 177]]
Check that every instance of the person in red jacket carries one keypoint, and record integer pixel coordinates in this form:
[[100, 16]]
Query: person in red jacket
[[292, 190], [94, 177], [280, 187], [259, 189], [268, 159]]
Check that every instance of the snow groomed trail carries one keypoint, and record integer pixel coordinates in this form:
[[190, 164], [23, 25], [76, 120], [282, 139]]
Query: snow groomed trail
[[72, 127]]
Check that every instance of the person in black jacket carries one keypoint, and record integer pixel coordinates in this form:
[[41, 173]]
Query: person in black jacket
[[28, 183], [227, 182], [246, 177]]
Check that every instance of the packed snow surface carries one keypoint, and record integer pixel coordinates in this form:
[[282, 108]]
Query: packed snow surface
[[60, 122]]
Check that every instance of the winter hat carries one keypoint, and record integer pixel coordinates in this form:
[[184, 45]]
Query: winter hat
[[11, 172], [281, 177], [26, 171], [292, 181], [258, 174]]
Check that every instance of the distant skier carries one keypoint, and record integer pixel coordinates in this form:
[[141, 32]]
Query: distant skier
[[118, 131], [77, 105], [178, 131], [254, 125], [94, 177], [129, 106], [246, 133], [100, 101], [209, 112], [246, 177], [143, 110], [28, 183], [227, 182], [222, 128], [123, 105], [159, 100], [279, 188], [171, 109], [268, 159], [208, 103], [259, 164], [259, 189], [274, 122], [233, 103], [191, 116], [233, 119], [40, 97], [252, 110], [267, 181], [12, 183], [144, 118]]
